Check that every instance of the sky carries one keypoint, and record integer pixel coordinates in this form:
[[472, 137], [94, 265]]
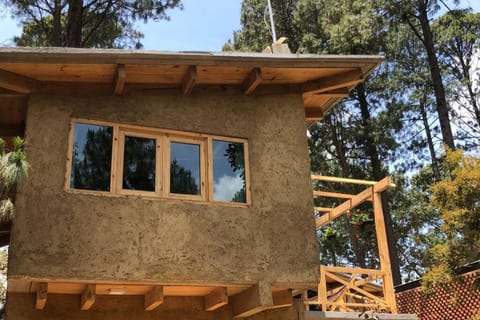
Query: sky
[[203, 25]]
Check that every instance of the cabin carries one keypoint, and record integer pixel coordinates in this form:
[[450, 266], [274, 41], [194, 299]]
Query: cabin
[[177, 185]]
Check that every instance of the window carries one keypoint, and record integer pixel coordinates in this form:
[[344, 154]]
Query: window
[[91, 157], [130, 160]]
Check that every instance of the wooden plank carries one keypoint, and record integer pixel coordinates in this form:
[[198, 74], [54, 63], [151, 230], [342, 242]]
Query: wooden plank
[[354, 270], [88, 296], [216, 299], [189, 80], [383, 252], [8, 130], [119, 80], [314, 114], [41, 298], [339, 93], [282, 298], [252, 81], [153, 298], [17, 83], [342, 180], [334, 82], [323, 209], [333, 195], [347, 205], [255, 299]]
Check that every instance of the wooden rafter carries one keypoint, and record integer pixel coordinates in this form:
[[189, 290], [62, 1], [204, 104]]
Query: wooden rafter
[[334, 82], [41, 297], [119, 80], [88, 296], [252, 81], [18, 83], [338, 93], [216, 299], [189, 80], [153, 298], [314, 114], [255, 299], [333, 195]]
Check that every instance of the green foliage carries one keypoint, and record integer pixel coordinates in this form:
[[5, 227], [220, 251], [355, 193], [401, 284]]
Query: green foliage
[[81, 23], [457, 199], [13, 171]]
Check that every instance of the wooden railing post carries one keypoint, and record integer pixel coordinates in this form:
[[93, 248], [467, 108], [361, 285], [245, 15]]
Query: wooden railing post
[[322, 289], [383, 250]]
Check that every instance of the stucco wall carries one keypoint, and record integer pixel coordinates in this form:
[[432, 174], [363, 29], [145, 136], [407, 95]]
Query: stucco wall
[[60, 235]]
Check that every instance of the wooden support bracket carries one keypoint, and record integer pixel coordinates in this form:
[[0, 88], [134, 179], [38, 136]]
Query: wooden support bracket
[[216, 299], [334, 82], [189, 80], [253, 300], [282, 298], [88, 297], [119, 80], [252, 81], [153, 298], [41, 299], [18, 83]]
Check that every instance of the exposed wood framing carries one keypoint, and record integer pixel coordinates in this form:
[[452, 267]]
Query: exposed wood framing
[[153, 298], [17, 83], [334, 82], [282, 298], [339, 93], [253, 300], [383, 253], [333, 194], [41, 298], [323, 209], [313, 114], [252, 81], [216, 299], [119, 80], [348, 180], [88, 296], [189, 80]]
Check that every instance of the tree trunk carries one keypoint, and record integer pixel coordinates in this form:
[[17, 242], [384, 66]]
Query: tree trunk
[[377, 174], [428, 133], [57, 24], [74, 32], [439, 89]]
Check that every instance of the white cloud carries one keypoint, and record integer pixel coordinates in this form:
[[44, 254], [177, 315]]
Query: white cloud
[[226, 187]]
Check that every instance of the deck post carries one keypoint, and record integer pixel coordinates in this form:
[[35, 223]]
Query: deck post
[[383, 253]]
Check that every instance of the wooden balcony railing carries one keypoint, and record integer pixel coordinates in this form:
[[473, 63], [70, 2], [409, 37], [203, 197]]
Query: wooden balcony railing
[[355, 289]]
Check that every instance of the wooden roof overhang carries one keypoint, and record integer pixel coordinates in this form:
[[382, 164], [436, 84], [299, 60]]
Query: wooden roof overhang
[[322, 80]]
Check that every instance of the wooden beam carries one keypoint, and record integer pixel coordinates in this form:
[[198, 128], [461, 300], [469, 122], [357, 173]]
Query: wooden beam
[[119, 80], [252, 81], [282, 298], [88, 297], [339, 93], [333, 194], [253, 300], [189, 80], [153, 298], [345, 206], [216, 299], [313, 114], [342, 180], [334, 82], [323, 209], [41, 299], [8, 130], [17, 83]]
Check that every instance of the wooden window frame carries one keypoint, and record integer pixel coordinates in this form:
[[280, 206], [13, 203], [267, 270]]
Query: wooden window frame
[[163, 138]]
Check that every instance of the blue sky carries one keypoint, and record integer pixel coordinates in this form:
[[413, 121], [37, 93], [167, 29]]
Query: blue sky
[[203, 25]]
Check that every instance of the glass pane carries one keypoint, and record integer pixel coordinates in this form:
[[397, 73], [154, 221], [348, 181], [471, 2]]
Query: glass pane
[[91, 157], [184, 168], [139, 164], [228, 172]]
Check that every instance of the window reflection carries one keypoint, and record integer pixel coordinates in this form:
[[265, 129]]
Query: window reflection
[[184, 168], [139, 164], [91, 157], [228, 172]]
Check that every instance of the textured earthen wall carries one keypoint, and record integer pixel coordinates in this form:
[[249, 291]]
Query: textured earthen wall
[[60, 235]]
